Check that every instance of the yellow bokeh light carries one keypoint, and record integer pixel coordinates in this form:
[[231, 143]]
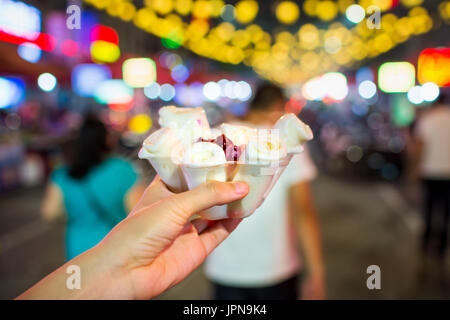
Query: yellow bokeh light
[[241, 39], [162, 7], [113, 7], [216, 7], [202, 9], [198, 28], [411, 3], [326, 10], [309, 36], [309, 7], [183, 7], [246, 11], [225, 31], [285, 37], [144, 18], [255, 32], [382, 4], [104, 52], [383, 42], [140, 123], [344, 4], [287, 12]]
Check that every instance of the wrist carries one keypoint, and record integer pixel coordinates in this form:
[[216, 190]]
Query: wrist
[[100, 278]]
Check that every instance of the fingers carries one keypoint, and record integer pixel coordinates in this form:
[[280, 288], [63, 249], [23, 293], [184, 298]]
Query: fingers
[[180, 207], [200, 225]]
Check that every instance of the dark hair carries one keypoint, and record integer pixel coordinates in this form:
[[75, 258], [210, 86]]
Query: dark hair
[[266, 95], [90, 148]]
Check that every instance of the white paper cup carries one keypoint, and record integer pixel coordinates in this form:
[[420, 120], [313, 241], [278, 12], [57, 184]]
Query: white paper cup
[[170, 173], [261, 178], [196, 176]]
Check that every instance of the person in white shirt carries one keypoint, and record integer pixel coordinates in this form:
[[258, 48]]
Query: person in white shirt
[[433, 159], [260, 260]]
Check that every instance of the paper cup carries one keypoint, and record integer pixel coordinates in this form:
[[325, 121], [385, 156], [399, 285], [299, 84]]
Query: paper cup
[[195, 176], [261, 178], [170, 173]]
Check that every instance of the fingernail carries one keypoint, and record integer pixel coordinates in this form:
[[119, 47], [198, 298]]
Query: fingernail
[[240, 187]]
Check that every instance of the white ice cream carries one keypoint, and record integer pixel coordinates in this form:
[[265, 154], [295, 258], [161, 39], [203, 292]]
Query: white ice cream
[[190, 124], [176, 118], [264, 148], [203, 154], [159, 144], [239, 135], [293, 132]]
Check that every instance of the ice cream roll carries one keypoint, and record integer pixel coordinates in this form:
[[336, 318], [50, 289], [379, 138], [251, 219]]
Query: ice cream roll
[[238, 134], [202, 162], [157, 149], [265, 155], [190, 124], [293, 132]]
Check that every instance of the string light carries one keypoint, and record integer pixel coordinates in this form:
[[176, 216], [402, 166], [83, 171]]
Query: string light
[[254, 47]]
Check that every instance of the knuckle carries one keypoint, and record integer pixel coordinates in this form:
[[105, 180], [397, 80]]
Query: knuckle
[[213, 187], [177, 207]]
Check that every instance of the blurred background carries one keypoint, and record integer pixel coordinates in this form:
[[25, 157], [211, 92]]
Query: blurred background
[[360, 73]]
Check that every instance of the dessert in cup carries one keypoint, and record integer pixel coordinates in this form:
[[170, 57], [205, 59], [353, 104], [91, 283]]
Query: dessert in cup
[[186, 152]]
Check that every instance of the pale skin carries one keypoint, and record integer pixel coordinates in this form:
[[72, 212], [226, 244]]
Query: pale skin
[[303, 211], [151, 250]]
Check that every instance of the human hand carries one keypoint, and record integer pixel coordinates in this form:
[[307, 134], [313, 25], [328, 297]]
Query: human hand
[[156, 247], [151, 250], [313, 288]]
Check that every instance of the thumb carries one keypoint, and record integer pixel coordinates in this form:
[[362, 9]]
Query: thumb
[[180, 207]]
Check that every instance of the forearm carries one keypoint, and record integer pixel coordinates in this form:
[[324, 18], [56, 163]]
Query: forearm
[[96, 280]]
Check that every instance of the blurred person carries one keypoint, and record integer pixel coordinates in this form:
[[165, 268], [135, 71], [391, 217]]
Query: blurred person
[[260, 260], [432, 159], [151, 250], [94, 188]]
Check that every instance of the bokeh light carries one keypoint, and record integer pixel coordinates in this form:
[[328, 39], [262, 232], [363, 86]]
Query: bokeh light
[[152, 91], [140, 124], [211, 91], [287, 12], [12, 92], [115, 92], [47, 82], [139, 72], [355, 13], [167, 92], [86, 78], [396, 77], [246, 11], [429, 91], [367, 89], [180, 73], [414, 95], [29, 52], [104, 52]]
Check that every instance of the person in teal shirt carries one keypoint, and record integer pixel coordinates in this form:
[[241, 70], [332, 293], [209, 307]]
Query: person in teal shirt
[[95, 189]]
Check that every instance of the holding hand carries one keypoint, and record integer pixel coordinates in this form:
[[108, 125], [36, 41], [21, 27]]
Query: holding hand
[[154, 248]]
